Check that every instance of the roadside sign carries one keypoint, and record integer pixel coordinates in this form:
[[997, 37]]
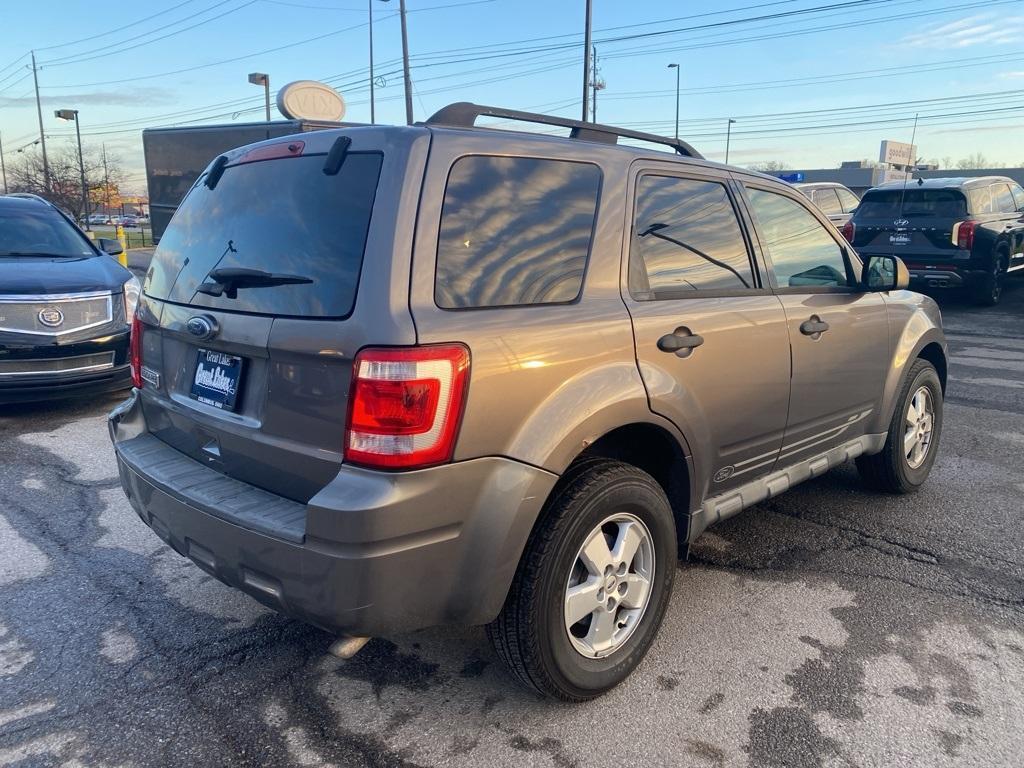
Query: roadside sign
[[897, 153]]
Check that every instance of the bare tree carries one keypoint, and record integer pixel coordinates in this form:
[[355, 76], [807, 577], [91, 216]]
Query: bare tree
[[25, 174], [977, 160], [769, 166]]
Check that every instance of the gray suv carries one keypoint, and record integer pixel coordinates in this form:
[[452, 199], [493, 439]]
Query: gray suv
[[395, 377]]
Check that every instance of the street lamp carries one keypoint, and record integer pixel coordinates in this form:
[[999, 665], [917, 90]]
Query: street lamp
[[728, 135], [676, 68], [72, 114], [261, 78]]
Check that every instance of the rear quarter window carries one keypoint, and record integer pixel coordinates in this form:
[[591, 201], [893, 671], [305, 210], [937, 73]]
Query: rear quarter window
[[515, 231]]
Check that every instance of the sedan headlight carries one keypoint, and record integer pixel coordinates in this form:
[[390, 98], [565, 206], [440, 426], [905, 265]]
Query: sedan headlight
[[132, 289]]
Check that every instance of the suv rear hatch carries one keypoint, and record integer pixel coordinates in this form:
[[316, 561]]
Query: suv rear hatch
[[250, 367], [915, 224]]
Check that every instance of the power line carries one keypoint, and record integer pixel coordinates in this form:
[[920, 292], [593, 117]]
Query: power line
[[109, 32]]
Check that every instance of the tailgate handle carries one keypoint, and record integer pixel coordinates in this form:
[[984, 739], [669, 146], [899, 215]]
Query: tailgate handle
[[680, 341]]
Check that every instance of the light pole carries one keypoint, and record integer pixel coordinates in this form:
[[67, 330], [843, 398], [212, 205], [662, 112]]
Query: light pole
[[405, 66], [728, 135], [261, 78], [72, 114], [373, 117], [676, 68]]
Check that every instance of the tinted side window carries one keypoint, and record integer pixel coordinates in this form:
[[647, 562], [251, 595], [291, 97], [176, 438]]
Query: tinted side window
[[802, 251], [827, 200], [686, 237], [848, 199], [1018, 196], [1002, 200], [515, 230], [981, 200]]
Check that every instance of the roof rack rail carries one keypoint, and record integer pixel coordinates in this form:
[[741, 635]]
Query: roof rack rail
[[463, 114]]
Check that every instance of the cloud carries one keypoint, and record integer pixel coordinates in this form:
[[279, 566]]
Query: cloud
[[979, 29], [122, 98], [1011, 75]]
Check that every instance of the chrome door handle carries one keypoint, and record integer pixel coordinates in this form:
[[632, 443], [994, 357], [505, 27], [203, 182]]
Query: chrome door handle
[[813, 327]]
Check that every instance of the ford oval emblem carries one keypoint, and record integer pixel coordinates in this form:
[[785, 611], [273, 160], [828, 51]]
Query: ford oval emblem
[[51, 317], [202, 326]]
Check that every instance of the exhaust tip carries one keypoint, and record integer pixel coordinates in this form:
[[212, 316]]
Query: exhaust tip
[[347, 647]]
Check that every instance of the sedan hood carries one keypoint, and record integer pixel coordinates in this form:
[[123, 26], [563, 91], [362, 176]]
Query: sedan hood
[[30, 275]]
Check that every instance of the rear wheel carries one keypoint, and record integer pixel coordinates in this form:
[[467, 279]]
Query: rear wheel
[[989, 289], [592, 586], [913, 438]]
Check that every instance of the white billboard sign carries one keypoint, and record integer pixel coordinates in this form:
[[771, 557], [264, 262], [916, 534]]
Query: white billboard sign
[[897, 153], [310, 100]]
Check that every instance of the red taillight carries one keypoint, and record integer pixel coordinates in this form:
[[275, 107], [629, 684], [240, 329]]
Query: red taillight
[[963, 234], [135, 351], [405, 405], [849, 231]]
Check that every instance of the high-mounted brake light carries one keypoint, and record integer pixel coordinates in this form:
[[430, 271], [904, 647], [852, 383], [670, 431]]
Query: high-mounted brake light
[[273, 152], [963, 234], [135, 351], [849, 231], [405, 405]]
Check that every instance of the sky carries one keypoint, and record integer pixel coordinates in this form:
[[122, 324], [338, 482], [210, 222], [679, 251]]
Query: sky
[[810, 83]]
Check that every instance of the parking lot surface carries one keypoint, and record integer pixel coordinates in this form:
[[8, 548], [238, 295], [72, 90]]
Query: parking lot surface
[[828, 627]]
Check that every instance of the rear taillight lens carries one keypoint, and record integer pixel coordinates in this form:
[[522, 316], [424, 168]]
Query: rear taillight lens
[[849, 231], [963, 234], [135, 351], [405, 405]]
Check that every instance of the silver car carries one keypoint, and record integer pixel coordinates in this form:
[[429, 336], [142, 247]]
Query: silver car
[[395, 377]]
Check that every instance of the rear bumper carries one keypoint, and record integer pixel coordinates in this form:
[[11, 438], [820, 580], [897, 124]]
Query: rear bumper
[[936, 278], [372, 553]]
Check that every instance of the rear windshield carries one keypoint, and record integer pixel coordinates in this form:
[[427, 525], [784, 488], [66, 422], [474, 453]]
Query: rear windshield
[[884, 203], [283, 217]]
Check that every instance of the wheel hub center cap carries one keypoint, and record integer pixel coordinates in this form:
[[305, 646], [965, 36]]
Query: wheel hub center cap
[[610, 583]]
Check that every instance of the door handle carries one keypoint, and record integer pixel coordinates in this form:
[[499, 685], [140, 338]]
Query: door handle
[[680, 341], [813, 327]]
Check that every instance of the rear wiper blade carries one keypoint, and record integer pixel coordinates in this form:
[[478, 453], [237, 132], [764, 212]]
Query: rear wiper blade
[[228, 281]]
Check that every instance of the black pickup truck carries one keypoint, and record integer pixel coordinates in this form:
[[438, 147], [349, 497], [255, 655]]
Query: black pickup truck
[[951, 232]]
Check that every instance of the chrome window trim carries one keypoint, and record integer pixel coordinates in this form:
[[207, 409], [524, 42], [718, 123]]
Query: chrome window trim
[[81, 369], [57, 298]]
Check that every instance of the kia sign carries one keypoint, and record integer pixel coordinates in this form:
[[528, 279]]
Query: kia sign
[[310, 100], [897, 153]]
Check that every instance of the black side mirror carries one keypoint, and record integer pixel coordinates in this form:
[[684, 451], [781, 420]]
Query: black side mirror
[[885, 273], [110, 247]]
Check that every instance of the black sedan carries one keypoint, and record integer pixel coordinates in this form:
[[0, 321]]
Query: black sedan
[[65, 306]]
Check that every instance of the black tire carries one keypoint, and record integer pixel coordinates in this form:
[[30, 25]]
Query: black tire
[[989, 290], [890, 471], [530, 634]]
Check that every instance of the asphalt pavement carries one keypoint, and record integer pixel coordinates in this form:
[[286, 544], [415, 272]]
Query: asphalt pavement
[[828, 627]]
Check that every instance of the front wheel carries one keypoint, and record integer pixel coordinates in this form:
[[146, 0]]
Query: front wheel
[[592, 586], [913, 438]]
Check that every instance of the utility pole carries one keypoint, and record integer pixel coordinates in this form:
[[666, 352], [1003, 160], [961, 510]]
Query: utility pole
[[593, 85], [405, 65], [106, 183], [677, 68], [3, 166], [586, 60], [373, 117], [42, 135]]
